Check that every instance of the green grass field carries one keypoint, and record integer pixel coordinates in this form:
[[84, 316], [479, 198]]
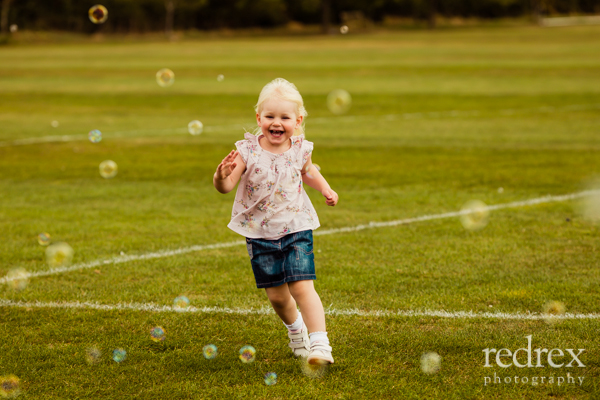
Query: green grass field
[[437, 119]]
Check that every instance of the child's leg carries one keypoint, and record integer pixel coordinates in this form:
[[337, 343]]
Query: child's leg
[[285, 306], [310, 304], [314, 317], [283, 303]]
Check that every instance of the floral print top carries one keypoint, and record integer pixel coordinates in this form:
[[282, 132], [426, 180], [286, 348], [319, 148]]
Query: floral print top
[[270, 201]]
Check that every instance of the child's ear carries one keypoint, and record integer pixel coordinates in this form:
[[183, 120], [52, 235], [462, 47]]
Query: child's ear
[[258, 118]]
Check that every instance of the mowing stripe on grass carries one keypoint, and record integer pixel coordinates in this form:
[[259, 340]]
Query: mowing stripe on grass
[[371, 225], [348, 118], [267, 310]]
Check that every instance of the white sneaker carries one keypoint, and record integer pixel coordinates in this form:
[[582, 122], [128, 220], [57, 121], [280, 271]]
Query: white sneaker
[[300, 342], [320, 354]]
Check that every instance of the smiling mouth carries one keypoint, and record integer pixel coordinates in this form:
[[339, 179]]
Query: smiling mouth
[[276, 132]]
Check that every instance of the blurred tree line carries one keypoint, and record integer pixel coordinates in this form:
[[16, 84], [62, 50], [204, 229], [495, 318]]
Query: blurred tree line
[[156, 15]]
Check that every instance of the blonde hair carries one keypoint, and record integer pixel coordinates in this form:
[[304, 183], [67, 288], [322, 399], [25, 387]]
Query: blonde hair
[[284, 90]]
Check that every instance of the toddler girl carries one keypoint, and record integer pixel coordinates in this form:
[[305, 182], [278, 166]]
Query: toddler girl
[[273, 212]]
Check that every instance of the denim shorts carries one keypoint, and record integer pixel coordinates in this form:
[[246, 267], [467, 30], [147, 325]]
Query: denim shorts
[[287, 259]]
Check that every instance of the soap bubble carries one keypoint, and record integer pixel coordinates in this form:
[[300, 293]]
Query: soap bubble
[[165, 77], [59, 255], [553, 309], [18, 278], [54, 124], [108, 169], [195, 127], [158, 334], [220, 78], [181, 302], [339, 101], [9, 386], [98, 14], [210, 351], [270, 378], [13, 28], [247, 354], [430, 363], [93, 355], [500, 190], [343, 29], [119, 355], [475, 215], [95, 136], [310, 172], [43, 239]]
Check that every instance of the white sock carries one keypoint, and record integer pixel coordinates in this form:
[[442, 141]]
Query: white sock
[[296, 325], [318, 337]]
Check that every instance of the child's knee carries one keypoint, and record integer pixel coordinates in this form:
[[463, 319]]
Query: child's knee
[[280, 301], [278, 298], [301, 288]]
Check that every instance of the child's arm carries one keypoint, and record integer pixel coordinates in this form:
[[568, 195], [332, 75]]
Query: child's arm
[[229, 172], [313, 178]]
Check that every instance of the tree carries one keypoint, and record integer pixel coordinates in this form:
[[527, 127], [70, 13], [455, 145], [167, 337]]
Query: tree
[[431, 10], [170, 7], [4, 16], [325, 15], [536, 11]]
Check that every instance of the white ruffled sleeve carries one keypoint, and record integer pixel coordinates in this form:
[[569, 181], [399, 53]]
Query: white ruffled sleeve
[[243, 146], [305, 151]]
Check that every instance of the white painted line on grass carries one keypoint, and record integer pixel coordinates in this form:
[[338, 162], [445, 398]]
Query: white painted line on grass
[[43, 139], [371, 225], [208, 129], [127, 258], [570, 21], [515, 204], [267, 310], [347, 118], [117, 134]]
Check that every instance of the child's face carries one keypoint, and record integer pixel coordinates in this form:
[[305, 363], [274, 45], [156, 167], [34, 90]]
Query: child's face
[[278, 120]]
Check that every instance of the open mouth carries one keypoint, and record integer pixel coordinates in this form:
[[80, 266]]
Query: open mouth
[[276, 132]]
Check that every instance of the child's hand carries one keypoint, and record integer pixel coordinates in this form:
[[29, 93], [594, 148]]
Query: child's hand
[[331, 197], [227, 165]]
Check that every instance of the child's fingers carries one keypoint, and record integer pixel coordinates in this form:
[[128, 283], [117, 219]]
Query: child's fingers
[[232, 155], [226, 167], [226, 162], [228, 156], [331, 197]]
